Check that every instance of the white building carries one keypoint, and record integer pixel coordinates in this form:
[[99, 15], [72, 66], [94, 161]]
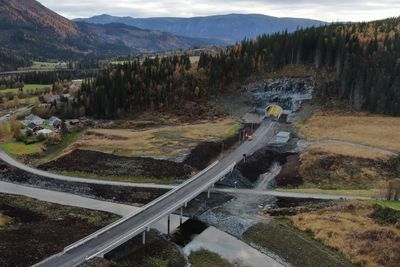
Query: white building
[[45, 132], [282, 137]]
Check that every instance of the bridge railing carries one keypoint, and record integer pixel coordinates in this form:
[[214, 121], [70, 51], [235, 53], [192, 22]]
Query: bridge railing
[[127, 217], [178, 204]]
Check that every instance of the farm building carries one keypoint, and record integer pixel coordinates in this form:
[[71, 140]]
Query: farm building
[[55, 122], [33, 119], [45, 132]]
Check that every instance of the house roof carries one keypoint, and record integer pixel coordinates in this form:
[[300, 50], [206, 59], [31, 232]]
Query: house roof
[[45, 131], [32, 117], [31, 125], [54, 119]]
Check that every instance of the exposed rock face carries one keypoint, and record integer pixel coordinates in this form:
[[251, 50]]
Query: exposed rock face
[[289, 93]]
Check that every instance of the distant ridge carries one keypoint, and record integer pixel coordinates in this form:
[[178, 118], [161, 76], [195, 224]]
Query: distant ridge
[[29, 30], [227, 28]]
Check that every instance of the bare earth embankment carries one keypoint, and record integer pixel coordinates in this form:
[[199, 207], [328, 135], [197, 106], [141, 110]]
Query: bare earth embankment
[[31, 230]]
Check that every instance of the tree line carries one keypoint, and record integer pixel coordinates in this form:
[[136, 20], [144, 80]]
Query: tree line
[[365, 57]]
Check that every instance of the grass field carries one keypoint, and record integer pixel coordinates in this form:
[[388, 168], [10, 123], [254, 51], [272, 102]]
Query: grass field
[[390, 204], [349, 150], [38, 65], [373, 130], [205, 258], [295, 247], [165, 142], [16, 149], [53, 152], [350, 228], [27, 89], [343, 192]]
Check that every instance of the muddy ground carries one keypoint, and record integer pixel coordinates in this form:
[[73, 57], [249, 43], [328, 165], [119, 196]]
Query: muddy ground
[[158, 251], [120, 194], [38, 229], [110, 165]]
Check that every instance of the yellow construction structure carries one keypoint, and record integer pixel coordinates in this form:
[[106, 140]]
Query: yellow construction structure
[[274, 111]]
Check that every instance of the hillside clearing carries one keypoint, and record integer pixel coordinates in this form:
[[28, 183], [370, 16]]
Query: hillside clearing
[[374, 130], [162, 142]]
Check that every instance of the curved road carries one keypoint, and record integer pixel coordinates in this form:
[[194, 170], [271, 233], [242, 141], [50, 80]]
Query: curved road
[[9, 160]]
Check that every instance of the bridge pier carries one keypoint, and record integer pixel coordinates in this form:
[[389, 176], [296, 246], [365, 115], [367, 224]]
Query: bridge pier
[[209, 192], [144, 238]]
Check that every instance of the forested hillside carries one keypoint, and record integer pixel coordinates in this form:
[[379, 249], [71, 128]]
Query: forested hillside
[[365, 58], [153, 85]]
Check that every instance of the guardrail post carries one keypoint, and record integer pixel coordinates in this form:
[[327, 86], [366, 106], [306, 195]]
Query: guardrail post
[[144, 238], [169, 224]]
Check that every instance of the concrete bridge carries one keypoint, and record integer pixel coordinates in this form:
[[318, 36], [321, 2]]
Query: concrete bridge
[[112, 236]]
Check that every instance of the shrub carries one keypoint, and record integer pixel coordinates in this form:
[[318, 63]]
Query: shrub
[[385, 215]]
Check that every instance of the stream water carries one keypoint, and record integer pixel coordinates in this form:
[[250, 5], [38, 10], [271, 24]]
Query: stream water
[[195, 235], [192, 236]]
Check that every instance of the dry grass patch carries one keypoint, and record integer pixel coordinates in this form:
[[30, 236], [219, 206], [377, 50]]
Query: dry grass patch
[[349, 228], [4, 219], [377, 131], [340, 167], [164, 142], [349, 150]]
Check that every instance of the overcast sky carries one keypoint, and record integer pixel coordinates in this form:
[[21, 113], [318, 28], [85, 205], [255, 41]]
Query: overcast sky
[[327, 10]]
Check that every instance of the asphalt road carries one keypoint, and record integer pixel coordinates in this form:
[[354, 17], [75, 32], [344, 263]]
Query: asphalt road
[[137, 222], [284, 194], [6, 158]]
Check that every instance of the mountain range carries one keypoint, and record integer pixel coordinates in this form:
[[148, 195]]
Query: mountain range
[[30, 31], [224, 28]]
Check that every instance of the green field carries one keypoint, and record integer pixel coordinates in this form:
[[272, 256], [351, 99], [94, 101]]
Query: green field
[[28, 88], [390, 204], [37, 65], [16, 149]]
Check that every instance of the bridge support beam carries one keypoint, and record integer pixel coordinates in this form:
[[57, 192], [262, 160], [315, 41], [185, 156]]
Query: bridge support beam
[[209, 192], [144, 238]]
